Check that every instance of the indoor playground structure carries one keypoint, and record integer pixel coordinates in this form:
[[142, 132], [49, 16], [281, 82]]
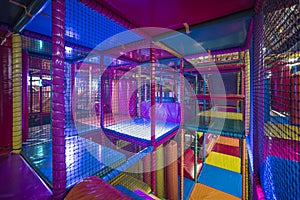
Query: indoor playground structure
[[150, 100]]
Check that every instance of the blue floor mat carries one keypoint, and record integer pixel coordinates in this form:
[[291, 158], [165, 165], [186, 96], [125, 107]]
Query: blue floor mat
[[188, 188], [128, 192], [83, 158], [221, 179]]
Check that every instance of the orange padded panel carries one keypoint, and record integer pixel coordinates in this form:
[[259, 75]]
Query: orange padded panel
[[204, 192]]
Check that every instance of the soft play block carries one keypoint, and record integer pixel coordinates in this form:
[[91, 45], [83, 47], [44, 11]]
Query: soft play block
[[189, 165], [229, 141], [221, 179], [224, 161], [95, 188], [226, 149], [204, 192]]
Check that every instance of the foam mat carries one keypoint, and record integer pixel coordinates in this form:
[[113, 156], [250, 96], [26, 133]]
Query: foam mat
[[227, 115], [224, 161], [204, 192], [228, 150], [229, 141], [188, 187], [221, 179], [129, 192]]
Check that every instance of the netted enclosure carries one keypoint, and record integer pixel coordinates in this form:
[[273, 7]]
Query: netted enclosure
[[103, 101], [127, 104], [53, 145], [142, 109], [128, 99], [276, 98]]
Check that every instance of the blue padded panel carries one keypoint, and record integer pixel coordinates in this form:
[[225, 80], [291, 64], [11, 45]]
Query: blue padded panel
[[188, 188], [221, 179], [128, 192]]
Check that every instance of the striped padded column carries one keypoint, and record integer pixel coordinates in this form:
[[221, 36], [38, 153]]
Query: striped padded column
[[17, 93]]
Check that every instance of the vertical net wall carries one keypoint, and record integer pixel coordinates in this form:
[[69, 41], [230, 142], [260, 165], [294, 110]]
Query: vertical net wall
[[37, 144], [86, 155], [276, 98]]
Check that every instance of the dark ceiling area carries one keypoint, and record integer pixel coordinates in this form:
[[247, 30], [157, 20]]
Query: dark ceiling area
[[11, 12], [17, 13], [173, 13], [215, 24]]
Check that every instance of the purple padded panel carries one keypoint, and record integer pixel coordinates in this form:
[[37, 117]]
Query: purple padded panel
[[169, 112]]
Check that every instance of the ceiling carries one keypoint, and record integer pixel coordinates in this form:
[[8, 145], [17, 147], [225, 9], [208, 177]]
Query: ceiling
[[173, 13], [17, 13], [10, 13], [215, 24]]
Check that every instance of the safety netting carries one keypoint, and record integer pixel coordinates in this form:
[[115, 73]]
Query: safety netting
[[81, 155], [37, 96], [98, 109], [276, 98], [112, 106]]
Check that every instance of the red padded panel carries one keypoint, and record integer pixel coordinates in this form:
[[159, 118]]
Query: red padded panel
[[295, 100], [189, 164], [5, 97], [95, 188], [226, 149], [280, 87]]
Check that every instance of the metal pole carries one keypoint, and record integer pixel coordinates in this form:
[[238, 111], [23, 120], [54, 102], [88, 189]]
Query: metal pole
[[153, 111], [182, 131]]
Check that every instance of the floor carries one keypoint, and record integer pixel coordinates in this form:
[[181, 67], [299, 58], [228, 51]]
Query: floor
[[222, 166], [19, 181], [83, 158]]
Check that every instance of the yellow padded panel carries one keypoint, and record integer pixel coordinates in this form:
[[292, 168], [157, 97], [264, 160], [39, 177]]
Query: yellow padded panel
[[160, 175], [130, 182], [224, 161], [226, 115]]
